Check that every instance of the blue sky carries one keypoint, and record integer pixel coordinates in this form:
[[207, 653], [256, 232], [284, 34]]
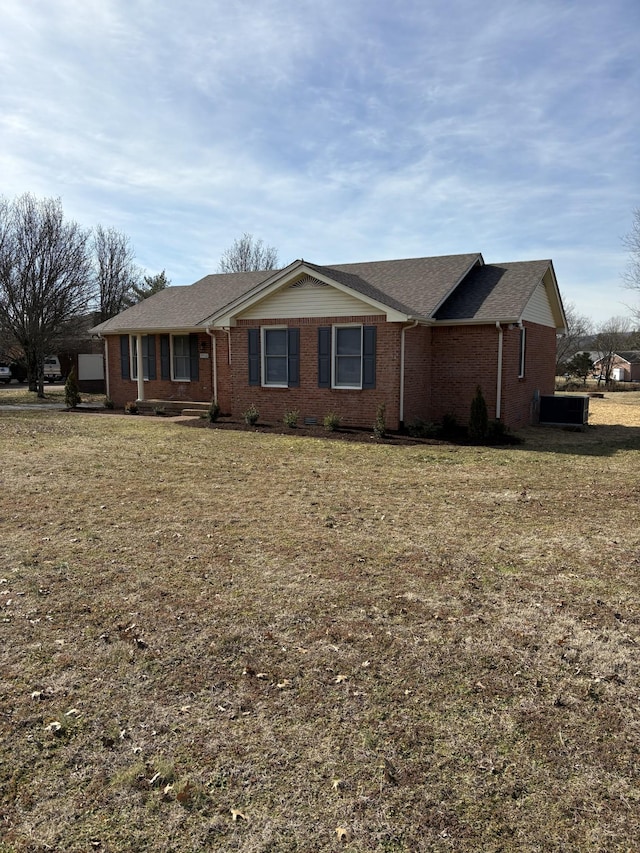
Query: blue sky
[[334, 130]]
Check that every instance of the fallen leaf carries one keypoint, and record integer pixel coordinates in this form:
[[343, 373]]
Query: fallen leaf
[[286, 682], [235, 814], [340, 678], [342, 833], [184, 796], [336, 784]]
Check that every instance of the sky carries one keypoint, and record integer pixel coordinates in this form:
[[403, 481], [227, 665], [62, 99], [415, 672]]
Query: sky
[[334, 130]]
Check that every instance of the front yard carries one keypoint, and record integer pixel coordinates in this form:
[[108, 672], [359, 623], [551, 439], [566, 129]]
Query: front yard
[[219, 640]]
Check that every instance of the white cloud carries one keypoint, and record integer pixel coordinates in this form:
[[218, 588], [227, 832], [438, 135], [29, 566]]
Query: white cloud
[[337, 131]]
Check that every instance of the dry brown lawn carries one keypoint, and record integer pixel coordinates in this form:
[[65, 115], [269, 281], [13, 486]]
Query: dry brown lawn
[[218, 640]]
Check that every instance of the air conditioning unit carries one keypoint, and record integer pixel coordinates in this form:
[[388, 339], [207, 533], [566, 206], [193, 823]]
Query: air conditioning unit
[[564, 409]]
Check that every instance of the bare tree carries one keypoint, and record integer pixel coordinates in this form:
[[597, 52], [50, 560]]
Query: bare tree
[[612, 336], [116, 274], [578, 328], [45, 277], [632, 273], [247, 254]]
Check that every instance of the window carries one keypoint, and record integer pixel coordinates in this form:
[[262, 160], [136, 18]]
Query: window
[[274, 357], [521, 354], [347, 357], [148, 357], [181, 361]]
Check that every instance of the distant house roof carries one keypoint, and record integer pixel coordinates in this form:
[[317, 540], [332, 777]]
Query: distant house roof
[[447, 288], [630, 356]]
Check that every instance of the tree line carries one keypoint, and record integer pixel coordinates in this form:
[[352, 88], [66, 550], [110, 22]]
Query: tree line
[[53, 273]]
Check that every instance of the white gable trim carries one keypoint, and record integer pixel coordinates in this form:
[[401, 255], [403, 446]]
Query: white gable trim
[[285, 278], [544, 306]]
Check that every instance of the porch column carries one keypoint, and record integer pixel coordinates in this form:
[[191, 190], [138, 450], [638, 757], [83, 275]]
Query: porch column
[[140, 365]]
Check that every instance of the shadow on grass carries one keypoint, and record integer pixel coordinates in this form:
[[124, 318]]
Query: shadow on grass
[[600, 440]]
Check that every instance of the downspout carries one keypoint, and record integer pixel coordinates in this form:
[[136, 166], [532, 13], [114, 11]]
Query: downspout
[[214, 363], [140, 365], [106, 364], [402, 342], [499, 372]]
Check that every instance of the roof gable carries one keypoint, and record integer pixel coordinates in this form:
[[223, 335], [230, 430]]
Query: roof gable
[[503, 293]]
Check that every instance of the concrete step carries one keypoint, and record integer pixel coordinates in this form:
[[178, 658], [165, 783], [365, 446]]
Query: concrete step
[[172, 407]]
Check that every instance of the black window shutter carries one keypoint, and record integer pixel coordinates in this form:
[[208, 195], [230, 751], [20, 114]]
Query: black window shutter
[[294, 358], [194, 358], [165, 357], [324, 357], [369, 357], [124, 356], [254, 356], [151, 356]]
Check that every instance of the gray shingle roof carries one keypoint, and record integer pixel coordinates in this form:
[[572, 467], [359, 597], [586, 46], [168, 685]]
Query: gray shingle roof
[[449, 287], [183, 307], [415, 286], [494, 292]]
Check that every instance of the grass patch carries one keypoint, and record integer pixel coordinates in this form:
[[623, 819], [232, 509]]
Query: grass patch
[[237, 641]]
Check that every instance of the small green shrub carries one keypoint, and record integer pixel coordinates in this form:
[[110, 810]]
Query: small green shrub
[[251, 415], [449, 426], [71, 391], [422, 429], [214, 411], [131, 408], [290, 419], [108, 402], [380, 425], [478, 417], [332, 421]]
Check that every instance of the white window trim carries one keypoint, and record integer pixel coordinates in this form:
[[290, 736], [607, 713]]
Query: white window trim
[[171, 359], [334, 338], [263, 358], [133, 358], [522, 351]]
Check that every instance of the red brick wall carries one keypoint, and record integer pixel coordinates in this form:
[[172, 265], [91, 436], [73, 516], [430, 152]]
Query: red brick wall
[[356, 408], [443, 366], [123, 391], [467, 356], [417, 375], [519, 395]]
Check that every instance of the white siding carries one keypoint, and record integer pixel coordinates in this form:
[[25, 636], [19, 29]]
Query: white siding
[[308, 299], [538, 308]]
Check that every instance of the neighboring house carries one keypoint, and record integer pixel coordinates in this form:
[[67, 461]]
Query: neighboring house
[[625, 366], [418, 335]]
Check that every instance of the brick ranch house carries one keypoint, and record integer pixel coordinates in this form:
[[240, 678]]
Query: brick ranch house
[[623, 366], [418, 335]]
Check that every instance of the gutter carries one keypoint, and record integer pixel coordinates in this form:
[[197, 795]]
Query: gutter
[[499, 371], [402, 343]]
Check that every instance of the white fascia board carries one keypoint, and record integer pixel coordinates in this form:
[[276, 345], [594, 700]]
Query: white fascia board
[[226, 317], [190, 330], [555, 300], [266, 288], [504, 321]]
